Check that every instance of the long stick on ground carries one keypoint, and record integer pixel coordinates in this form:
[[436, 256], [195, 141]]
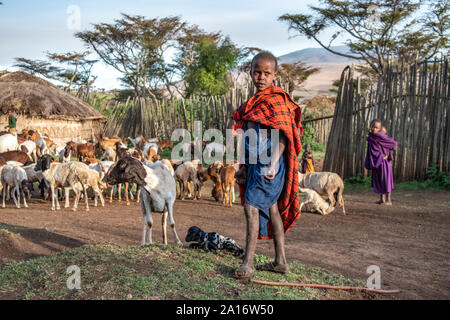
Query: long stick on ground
[[322, 286]]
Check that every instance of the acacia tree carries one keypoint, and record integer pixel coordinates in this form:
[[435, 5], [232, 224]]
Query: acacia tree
[[205, 62], [135, 46], [378, 29], [70, 68], [295, 74]]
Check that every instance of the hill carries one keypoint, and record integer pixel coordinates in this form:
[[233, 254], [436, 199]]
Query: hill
[[316, 55], [330, 65]]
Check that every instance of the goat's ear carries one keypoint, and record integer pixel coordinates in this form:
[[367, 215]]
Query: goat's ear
[[141, 174]]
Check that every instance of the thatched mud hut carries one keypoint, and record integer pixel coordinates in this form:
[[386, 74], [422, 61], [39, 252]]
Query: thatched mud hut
[[44, 107]]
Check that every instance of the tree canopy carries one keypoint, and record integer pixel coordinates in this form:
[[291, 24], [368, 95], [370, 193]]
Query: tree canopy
[[377, 30], [138, 47], [70, 68], [206, 66]]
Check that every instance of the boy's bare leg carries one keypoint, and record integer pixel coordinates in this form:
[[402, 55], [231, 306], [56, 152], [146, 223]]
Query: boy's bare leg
[[280, 264], [382, 199], [388, 200], [252, 217]]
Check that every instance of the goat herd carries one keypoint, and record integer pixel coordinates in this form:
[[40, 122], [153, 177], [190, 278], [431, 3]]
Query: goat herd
[[29, 157]]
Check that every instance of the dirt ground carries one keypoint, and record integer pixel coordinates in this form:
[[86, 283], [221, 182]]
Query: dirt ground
[[408, 241]]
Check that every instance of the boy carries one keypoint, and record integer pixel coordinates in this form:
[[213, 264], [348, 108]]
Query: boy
[[307, 160], [269, 192], [379, 160], [11, 122]]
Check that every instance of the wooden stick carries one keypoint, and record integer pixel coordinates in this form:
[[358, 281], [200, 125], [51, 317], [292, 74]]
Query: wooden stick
[[322, 286]]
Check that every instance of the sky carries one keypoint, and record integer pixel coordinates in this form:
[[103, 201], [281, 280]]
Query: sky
[[29, 28]]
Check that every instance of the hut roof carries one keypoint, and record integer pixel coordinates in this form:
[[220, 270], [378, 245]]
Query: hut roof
[[35, 97]]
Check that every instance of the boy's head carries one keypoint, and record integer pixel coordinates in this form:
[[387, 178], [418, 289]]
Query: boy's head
[[263, 70], [383, 129], [308, 147], [375, 126]]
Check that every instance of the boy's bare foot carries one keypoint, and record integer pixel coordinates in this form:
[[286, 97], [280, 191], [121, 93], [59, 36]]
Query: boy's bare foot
[[244, 272], [388, 203], [272, 267]]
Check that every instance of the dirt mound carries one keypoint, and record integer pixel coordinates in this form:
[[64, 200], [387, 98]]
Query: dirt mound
[[14, 247]]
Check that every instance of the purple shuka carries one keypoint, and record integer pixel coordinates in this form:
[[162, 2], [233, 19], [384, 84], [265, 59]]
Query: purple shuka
[[378, 146]]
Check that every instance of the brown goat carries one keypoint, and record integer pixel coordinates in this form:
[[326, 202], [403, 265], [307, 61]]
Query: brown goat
[[18, 156], [165, 144], [228, 180]]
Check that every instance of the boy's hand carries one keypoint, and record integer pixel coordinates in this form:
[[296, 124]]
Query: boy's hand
[[385, 157], [241, 175], [270, 173]]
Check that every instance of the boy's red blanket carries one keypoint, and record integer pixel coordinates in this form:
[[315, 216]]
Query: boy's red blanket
[[273, 107]]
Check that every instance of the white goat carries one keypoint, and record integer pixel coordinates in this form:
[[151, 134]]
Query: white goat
[[324, 183], [65, 155], [109, 154], [16, 178], [8, 142], [158, 192], [30, 149], [315, 202], [64, 175]]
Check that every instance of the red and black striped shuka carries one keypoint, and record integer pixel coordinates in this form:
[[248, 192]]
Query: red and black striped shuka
[[273, 107]]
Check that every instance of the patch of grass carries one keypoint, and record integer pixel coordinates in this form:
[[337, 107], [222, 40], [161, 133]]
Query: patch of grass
[[154, 272], [361, 183], [357, 183]]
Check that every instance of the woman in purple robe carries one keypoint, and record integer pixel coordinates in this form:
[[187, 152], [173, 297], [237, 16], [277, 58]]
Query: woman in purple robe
[[379, 159]]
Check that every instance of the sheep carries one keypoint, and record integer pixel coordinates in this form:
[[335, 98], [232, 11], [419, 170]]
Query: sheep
[[137, 142], [328, 183], [8, 142], [43, 144], [317, 203], [16, 178], [168, 165], [64, 175], [109, 154], [158, 191], [218, 148], [56, 149], [96, 184], [146, 151], [187, 172], [33, 175], [65, 154], [102, 167], [30, 149]]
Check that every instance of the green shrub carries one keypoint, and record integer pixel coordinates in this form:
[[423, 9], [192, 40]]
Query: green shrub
[[308, 137], [437, 178]]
